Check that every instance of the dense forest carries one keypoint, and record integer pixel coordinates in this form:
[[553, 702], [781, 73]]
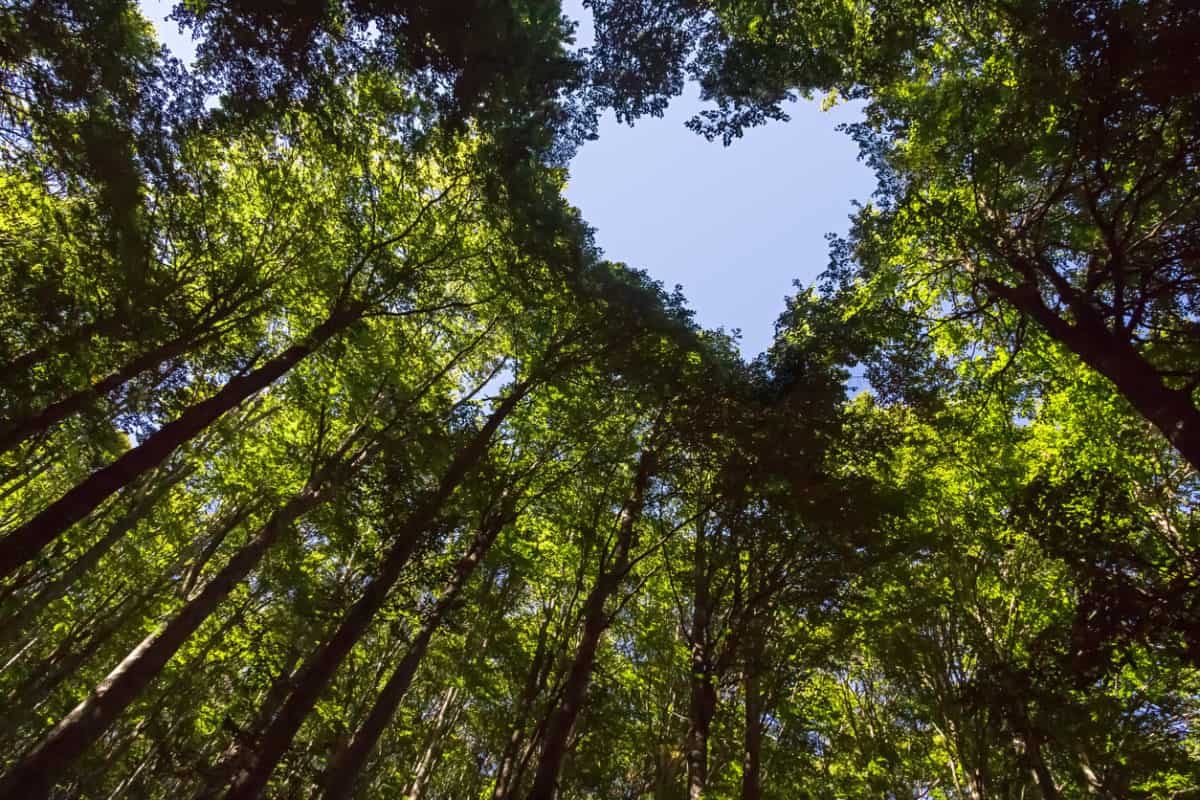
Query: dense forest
[[336, 461]]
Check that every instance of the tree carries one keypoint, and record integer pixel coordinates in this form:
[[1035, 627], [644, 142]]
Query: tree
[[337, 460], [1030, 155]]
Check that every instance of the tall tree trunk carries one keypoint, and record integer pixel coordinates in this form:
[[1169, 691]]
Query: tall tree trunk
[[23, 429], [1016, 713], [434, 744], [1032, 756], [554, 747], [343, 771], [1039, 767], [1091, 779], [595, 622], [702, 702], [702, 707], [219, 531], [30, 777], [450, 710], [1172, 411], [178, 687], [122, 525], [754, 643], [239, 749], [318, 670], [66, 343], [535, 681], [753, 735], [24, 543], [69, 655]]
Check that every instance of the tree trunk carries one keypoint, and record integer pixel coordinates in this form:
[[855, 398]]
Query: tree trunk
[[39, 422], [64, 661], [535, 680], [318, 671], [24, 543], [224, 526], [702, 704], [63, 344], [433, 746], [595, 622], [753, 643], [29, 777], [91, 557], [1035, 760], [239, 749], [1172, 411], [701, 708], [343, 771], [753, 735]]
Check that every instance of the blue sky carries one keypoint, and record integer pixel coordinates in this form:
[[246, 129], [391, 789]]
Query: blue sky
[[734, 226]]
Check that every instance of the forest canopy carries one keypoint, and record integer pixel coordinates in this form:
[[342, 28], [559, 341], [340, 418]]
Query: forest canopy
[[337, 461]]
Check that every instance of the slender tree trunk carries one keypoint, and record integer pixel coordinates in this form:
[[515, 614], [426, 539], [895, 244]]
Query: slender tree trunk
[[29, 778], [1040, 769], [1172, 411], [179, 684], [252, 774], [1091, 779], [554, 747], [28, 470], [701, 709], [239, 749], [535, 680], [24, 543], [65, 343], [702, 704], [595, 622], [219, 532], [91, 557], [753, 736], [40, 421], [176, 688], [64, 661], [318, 671], [1031, 757], [343, 771], [433, 746], [20, 652], [754, 644]]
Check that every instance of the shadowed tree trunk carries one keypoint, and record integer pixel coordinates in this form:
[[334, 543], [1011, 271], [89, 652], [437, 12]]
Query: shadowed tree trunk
[[24, 543], [702, 702], [70, 654], [122, 525], [595, 622], [24, 429], [215, 778], [434, 745], [1032, 756], [1173, 411], [30, 777], [68, 342], [206, 327], [535, 683], [753, 730], [753, 664], [344, 770], [250, 780]]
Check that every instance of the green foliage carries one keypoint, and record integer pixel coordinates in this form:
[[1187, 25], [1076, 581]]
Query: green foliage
[[607, 549]]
